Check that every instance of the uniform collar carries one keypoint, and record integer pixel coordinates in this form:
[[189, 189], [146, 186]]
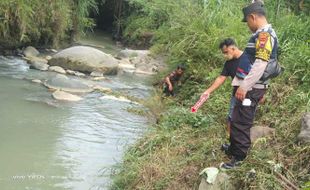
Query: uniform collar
[[262, 29]]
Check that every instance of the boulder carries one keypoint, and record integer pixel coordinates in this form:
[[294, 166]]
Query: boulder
[[85, 59], [57, 69], [261, 131], [62, 82], [304, 135], [60, 95], [38, 63], [31, 52]]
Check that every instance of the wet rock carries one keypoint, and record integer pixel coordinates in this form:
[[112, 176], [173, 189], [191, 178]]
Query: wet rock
[[102, 89], [85, 59], [57, 69], [98, 78], [31, 52], [36, 81], [38, 63], [142, 60], [126, 67], [304, 135], [62, 82], [222, 181], [96, 74], [261, 131], [60, 95], [75, 73]]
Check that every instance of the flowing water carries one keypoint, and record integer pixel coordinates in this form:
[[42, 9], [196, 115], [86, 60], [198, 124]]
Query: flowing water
[[47, 144]]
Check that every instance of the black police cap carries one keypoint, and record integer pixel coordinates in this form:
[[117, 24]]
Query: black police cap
[[257, 7]]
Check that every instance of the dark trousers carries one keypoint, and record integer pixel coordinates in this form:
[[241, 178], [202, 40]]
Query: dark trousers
[[242, 121]]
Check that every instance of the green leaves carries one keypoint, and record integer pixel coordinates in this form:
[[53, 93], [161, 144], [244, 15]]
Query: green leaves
[[43, 22]]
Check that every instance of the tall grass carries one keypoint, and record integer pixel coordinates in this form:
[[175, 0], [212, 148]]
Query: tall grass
[[171, 155], [42, 22]]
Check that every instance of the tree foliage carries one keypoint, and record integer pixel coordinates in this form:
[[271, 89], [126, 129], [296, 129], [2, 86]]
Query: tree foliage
[[43, 22]]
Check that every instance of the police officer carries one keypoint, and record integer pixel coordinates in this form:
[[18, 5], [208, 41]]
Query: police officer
[[261, 48]]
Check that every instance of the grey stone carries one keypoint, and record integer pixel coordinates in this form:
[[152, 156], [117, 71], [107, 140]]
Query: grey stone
[[126, 67], [85, 59], [57, 69], [75, 73], [62, 82], [31, 52], [98, 78], [304, 135], [36, 81], [60, 95], [261, 131], [38, 63], [96, 74]]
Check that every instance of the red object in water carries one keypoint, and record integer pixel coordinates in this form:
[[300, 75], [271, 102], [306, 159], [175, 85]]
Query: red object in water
[[199, 103]]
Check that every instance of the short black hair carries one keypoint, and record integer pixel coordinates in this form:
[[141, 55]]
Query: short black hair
[[181, 66], [227, 42]]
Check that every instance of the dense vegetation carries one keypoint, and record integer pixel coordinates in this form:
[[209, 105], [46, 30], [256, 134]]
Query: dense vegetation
[[176, 149], [43, 22]]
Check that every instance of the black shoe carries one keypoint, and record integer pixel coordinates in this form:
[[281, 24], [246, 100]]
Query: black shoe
[[234, 162], [225, 148]]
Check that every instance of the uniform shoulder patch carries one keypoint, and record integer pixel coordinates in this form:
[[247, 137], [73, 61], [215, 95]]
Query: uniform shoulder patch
[[263, 46], [263, 38]]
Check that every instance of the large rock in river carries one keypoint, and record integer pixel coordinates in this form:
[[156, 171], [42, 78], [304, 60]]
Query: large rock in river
[[85, 59], [62, 82]]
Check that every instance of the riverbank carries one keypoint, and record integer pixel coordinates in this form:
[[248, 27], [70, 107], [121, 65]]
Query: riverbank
[[182, 144]]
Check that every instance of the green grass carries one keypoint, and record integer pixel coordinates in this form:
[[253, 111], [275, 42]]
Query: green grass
[[181, 144]]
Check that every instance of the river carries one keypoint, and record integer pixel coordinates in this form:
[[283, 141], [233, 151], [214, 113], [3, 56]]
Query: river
[[46, 144]]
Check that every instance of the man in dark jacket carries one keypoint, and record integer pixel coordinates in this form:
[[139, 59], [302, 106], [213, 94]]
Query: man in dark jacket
[[233, 56]]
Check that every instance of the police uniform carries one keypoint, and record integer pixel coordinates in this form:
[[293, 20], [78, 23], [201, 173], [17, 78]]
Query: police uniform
[[262, 45]]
